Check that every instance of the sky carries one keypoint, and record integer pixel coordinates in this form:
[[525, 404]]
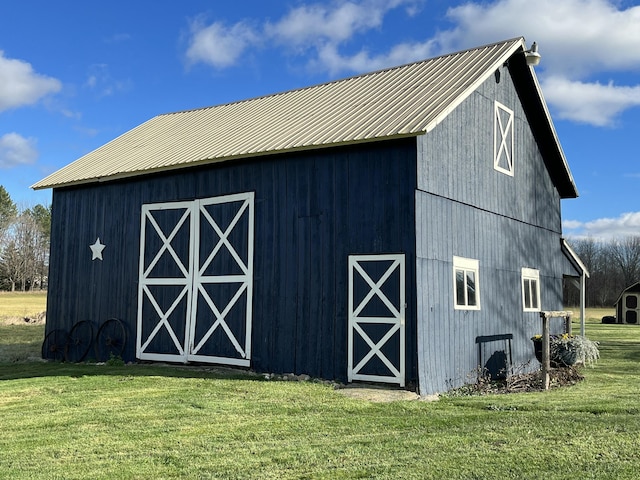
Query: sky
[[76, 74]]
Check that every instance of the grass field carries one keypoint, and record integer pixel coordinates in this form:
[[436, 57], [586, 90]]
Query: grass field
[[20, 341], [152, 421], [20, 304]]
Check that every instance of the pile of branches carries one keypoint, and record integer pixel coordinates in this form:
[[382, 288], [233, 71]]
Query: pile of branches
[[532, 382]]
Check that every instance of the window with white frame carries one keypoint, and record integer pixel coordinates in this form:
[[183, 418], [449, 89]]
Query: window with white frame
[[465, 284], [503, 139], [530, 290]]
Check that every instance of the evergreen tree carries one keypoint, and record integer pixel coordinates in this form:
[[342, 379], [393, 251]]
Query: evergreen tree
[[8, 212]]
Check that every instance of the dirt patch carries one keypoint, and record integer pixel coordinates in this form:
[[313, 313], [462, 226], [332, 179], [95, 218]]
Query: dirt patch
[[38, 319], [374, 393]]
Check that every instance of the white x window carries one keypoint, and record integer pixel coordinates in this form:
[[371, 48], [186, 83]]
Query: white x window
[[503, 139]]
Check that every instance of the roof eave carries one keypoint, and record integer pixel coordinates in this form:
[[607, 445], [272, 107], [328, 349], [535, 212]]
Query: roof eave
[[573, 257], [43, 184], [541, 123]]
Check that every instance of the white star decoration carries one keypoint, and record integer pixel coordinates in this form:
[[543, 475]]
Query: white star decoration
[[96, 250]]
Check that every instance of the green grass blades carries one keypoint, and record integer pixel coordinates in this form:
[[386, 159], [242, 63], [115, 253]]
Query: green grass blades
[[78, 421], [21, 304], [19, 343], [86, 421]]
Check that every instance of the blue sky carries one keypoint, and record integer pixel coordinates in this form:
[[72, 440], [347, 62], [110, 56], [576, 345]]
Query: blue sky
[[76, 74]]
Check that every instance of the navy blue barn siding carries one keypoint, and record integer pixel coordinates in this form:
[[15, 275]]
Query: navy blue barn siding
[[312, 210]]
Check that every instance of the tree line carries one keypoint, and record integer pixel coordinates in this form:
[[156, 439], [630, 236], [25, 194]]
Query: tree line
[[613, 266], [24, 245]]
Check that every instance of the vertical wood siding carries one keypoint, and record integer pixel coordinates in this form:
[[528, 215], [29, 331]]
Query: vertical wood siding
[[464, 207], [312, 210]]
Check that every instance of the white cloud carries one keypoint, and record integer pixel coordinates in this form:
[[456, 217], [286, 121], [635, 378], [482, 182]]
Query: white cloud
[[16, 150], [71, 114], [319, 23], [92, 81], [100, 80], [592, 103], [582, 42], [329, 58], [20, 85], [218, 45], [627, 224], [315, 30], [578, 39]]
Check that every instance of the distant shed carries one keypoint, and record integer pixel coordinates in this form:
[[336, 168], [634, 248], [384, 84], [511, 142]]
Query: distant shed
[[628, 305], [401, 226]]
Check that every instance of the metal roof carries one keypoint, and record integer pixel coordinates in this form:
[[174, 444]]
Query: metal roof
[[403, 101]]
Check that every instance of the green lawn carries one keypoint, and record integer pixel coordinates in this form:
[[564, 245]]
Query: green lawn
[[22, 304], [143, 421], [20, 341]]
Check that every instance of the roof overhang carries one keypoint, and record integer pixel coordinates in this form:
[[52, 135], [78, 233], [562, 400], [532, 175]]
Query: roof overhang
[[573, 258], [544, 131]]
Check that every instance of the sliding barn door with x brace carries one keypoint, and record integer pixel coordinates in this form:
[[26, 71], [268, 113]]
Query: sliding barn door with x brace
[[195, 281]]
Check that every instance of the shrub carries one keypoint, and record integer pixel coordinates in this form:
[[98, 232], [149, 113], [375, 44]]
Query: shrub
[[571, 350], [566, 350]]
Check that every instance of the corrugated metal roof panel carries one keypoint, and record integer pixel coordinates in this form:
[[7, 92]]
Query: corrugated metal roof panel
[[400, 101]]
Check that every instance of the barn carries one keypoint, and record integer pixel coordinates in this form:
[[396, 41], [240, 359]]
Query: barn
[[628, 305], [401, 226]]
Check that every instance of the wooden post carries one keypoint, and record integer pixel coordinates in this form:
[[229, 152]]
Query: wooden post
[[546, 341], [546, 362]]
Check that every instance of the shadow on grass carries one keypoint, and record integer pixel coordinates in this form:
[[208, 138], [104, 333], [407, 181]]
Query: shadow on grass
[[35, 369], [627, 351]]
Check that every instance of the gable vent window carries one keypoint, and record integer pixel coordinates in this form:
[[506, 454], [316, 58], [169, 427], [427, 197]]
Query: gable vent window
[[503, 139]]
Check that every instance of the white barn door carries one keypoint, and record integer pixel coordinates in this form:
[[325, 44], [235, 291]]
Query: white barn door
[[220, 331], [377, 318], [195, 281]]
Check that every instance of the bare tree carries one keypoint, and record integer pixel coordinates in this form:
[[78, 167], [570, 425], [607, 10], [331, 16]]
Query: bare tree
[[613, 266], [10, 266], [23, 259], [625, 254]]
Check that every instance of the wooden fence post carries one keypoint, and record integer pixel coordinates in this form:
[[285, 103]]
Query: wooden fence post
[[546, 341]]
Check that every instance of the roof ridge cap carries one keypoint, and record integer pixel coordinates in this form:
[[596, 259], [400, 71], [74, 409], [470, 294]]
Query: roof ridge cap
[[344, 79]]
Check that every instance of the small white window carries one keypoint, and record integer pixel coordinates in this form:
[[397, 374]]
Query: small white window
[[466, 284], [530, 290], [503, 139]]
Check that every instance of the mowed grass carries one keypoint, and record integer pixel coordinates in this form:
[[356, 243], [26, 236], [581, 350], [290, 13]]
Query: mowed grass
[[20, 341], [152, 421], [22, 304]]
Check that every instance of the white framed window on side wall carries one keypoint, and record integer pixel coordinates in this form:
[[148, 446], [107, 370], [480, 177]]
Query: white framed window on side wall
[[530, 290], [466, 283]]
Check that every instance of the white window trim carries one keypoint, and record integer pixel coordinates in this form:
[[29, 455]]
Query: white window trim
[[531, 274], [467, 265], [503, 139]]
